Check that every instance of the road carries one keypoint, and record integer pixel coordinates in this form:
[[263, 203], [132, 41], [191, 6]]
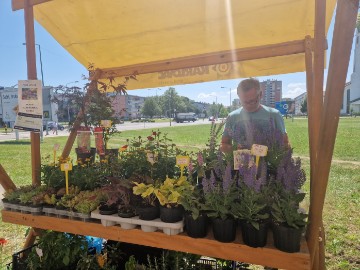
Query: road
[[120, 127]]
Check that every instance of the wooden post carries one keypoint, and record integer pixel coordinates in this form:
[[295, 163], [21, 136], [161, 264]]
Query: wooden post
[[5, 180], [346, 14], [31, 71]]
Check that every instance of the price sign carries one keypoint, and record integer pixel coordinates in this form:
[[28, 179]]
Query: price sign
[[239, 158], [259, 151], [66, 167], [182, 161], [106, 123]]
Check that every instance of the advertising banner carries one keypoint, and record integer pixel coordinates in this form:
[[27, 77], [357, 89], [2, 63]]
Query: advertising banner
[[9, 105], [30, 112]]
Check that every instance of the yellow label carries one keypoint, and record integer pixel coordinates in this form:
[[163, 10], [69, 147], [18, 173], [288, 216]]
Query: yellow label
[[106, 123], [66, 167], [182, 160]]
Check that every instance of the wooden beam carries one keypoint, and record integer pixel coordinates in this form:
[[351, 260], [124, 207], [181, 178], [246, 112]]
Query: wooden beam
[[280, 49], [236, 250], [31, 71], [19, 4], [345, 20], [5, 180]]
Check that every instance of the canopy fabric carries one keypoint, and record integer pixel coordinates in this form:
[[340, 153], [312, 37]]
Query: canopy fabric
[[115, 34]]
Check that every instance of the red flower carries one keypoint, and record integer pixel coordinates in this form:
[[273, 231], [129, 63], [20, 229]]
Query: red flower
[[124, 146], [3, 241], [150, 138], [154, 133]]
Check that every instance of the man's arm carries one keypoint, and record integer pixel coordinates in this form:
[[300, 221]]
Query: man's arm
[[226, 144]]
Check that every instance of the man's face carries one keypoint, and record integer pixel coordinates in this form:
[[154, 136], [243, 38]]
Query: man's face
[[250, 100]]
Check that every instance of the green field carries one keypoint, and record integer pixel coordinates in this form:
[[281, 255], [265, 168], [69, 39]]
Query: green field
[[341, 220]]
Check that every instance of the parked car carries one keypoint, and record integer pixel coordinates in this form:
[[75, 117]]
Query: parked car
[[51, 125]]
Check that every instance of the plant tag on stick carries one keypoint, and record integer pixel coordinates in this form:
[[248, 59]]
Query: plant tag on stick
[[151, 157], [106, 123], [56, 147], [66, 167], [258, 151], [182, 161], [239, 158]]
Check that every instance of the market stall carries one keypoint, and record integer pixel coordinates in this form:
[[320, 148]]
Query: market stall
[[213, 41]]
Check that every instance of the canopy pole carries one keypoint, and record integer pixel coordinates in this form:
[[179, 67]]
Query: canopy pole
[[31, 71], [312, 122], [346, 14]]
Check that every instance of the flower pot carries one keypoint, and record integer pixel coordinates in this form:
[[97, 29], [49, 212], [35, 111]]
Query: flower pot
[[286, 238], [224, 230], [148, 212], [85, 157], [107, 209], [196, 228], [171, 214], [253, 237]]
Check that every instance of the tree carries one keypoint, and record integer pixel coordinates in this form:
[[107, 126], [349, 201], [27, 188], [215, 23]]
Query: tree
[[151, 107], [303, 108]]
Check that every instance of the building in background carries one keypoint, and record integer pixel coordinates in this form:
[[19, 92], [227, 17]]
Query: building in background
[[351, 98], [298, 101], [272, 92], [127, 107]]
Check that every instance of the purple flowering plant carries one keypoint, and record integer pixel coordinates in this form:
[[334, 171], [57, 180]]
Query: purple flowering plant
[[252, 206], [287, 194], [220, 191]]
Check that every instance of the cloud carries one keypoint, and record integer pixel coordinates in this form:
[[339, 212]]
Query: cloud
[[294, 89], [205, 95]]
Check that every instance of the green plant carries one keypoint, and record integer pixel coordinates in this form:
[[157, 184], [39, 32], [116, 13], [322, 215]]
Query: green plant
[[171, 191], [69, 249], [287, 196], [192, 200], [147, 193], [220, 191], [252, 204], [87, 201]]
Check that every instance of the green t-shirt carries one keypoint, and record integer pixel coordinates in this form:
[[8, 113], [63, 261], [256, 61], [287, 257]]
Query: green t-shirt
[[260, 127]]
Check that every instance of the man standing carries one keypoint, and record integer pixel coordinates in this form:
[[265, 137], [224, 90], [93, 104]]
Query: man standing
[[247, 124], [55, 128]]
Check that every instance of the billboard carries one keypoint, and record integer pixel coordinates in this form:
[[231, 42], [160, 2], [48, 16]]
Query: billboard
[[285, 107], [9, 103]]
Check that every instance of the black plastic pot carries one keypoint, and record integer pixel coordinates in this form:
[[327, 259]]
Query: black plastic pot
[[253, 237], [86, 157], [107, 209], [224, 230], [171, 214], [286, 238], [196, 228], [148, 212], [110, 154]]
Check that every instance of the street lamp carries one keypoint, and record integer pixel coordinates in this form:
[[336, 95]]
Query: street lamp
[[229, 93], [68, 105], [41, 68]]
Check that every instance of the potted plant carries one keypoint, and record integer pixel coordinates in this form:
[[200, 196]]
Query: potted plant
[[86, 201], [149, 207], [220, 194], [251, 207], [169, 195], [289, 220]]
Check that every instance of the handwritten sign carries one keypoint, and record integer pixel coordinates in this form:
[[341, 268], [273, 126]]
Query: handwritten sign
[[66, 167]]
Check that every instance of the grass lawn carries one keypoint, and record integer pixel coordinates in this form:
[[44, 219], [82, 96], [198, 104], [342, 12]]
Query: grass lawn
[[341, 220]]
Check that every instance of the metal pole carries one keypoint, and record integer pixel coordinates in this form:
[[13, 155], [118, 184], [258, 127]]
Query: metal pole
[[41, 67]]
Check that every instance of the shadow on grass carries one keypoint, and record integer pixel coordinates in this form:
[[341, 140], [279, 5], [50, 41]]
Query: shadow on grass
[[15, 143]]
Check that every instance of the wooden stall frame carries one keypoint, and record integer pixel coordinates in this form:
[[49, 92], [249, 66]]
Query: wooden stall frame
[[321, 137]]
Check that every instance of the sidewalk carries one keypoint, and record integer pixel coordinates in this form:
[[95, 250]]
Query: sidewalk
[[26, 135]]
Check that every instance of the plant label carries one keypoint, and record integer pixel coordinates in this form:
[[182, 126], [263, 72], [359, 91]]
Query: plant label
[[66, 167], [106, 123], [259, 150]]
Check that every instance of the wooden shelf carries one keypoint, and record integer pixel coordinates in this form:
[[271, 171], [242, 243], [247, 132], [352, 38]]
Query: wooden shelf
[[237, 251]]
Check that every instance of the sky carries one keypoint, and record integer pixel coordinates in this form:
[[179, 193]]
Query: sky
[[60, 68]]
